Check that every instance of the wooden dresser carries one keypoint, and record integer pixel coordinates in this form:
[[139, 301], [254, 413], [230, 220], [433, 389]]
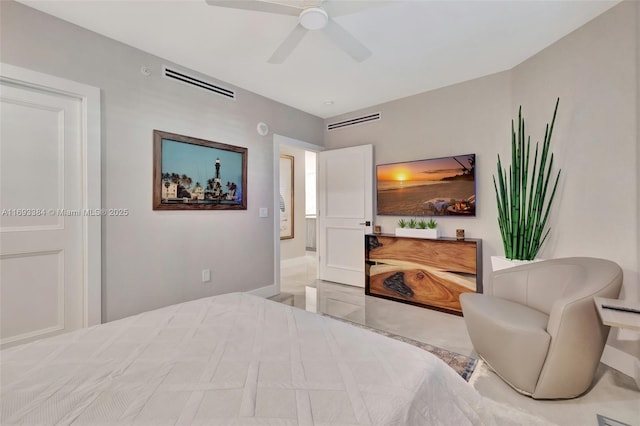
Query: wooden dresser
[[423, 272]]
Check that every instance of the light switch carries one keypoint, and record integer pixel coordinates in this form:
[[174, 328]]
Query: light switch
[[264, 212]]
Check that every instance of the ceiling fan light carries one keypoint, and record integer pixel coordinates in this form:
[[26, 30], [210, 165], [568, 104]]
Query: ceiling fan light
[[314, 18]]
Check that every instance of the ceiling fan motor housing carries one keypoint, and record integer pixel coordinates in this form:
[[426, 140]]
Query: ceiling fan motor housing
[[314, 18]]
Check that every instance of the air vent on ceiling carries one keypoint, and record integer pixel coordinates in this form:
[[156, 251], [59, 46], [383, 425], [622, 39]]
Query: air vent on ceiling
[[354, 121], [183, 77]]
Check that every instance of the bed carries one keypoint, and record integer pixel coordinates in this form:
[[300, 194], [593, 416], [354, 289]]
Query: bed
[[234, 359]]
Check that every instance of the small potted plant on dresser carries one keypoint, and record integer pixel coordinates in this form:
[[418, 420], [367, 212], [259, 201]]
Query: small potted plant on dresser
[[418, 229]]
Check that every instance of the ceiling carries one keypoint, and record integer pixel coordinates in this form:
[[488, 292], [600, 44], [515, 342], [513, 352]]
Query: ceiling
[[416, 45]]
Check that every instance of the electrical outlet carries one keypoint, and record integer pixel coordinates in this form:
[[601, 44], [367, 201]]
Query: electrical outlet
[[206, 275]]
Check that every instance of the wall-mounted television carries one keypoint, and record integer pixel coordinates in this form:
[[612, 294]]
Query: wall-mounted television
[[433, 187]]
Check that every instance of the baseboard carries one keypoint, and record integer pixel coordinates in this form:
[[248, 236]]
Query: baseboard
[[621, 361], [266, 291]]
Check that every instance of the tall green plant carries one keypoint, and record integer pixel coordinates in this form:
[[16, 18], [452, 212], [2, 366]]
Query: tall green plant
[[523, 205]]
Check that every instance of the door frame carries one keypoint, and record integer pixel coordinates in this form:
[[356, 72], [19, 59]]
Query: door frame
[[277, 141], [90, 139]]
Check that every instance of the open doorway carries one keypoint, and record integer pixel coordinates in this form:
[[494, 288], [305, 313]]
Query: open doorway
[[297, 210], [344, 197]]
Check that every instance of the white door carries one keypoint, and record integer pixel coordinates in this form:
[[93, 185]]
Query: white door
[[345, 212], [41, 226]]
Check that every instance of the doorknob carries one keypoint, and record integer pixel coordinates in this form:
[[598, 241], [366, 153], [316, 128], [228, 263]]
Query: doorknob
[[367, 223]]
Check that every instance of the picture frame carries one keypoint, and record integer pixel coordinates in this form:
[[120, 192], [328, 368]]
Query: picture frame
[[377, 229], [197, 174], [286, 197]]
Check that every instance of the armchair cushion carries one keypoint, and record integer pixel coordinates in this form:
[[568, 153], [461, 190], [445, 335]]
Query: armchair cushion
[[512, 339]]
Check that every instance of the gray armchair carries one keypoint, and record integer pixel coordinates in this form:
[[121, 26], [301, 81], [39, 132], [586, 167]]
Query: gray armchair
[[539, 330]]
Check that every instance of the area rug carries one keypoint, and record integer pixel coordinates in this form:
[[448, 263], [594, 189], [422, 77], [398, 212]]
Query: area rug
[[461, 364]]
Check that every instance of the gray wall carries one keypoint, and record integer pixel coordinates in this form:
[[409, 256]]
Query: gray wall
[[151, 258], [594, 71], [470, 117]]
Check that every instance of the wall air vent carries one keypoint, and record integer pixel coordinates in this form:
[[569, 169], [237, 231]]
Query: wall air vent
[[185, 78], [353, 121]]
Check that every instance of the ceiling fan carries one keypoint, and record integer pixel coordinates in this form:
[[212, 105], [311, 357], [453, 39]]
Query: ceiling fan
[[310, 18]]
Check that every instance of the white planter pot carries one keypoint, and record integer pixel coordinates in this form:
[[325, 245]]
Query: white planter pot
[[433, 234], [501, 262]]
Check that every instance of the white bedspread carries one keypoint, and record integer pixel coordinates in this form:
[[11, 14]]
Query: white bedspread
[[234, 359]]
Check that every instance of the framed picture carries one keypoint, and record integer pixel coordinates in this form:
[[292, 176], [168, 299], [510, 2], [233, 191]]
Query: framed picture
[[444, 186], [196, 174], [286, 197]]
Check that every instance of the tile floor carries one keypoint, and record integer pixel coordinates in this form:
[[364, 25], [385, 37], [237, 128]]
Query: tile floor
[[613, 394]]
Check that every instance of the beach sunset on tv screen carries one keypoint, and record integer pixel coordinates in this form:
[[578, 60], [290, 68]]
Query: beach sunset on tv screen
[[434, 187]]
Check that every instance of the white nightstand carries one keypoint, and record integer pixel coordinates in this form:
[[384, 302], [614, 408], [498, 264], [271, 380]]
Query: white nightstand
[[621, 319]]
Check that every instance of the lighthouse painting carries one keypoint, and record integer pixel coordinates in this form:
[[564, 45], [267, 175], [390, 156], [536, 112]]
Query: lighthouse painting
[[197, 174]]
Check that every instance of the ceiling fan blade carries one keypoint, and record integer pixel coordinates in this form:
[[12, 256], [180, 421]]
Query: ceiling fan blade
[[260, 6], [286, 47], [346, 41]]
